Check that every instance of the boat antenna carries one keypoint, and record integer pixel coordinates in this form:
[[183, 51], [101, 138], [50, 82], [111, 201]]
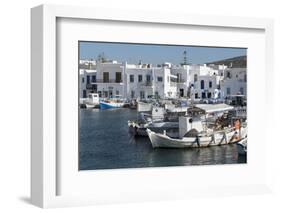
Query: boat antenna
[[184, 57]]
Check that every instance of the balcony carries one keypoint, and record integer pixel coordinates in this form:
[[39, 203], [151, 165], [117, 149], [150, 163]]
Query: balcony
[[89, 86], [173, 84], [147, 84], [180, 81], [108, 81]]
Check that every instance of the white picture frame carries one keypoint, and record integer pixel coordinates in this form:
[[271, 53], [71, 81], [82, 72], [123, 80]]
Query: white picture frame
[[44, 148]]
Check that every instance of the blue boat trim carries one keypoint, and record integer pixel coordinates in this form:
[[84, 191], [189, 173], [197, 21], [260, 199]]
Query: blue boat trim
[[104, 105]]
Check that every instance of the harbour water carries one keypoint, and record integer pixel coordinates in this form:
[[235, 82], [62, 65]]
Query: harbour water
[[105, 143]]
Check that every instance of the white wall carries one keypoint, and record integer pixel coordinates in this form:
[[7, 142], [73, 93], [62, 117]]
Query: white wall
[[207, 89], [137, 86], [15, 118], [235, 87], [110, 68], [183, 80], [83, 81]]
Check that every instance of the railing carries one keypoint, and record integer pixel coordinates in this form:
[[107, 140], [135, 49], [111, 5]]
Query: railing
[[147, 84], [235, 79], [89, 86], [108, 81]]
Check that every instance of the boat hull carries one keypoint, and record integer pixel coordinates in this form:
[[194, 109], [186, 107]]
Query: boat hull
[[105, 105], [91, 106], [140, 130], [162, 140], [144, 107]]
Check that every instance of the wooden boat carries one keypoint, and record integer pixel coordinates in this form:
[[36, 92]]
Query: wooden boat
[[92, 101], [227, 136], [194, 131], [155, 120], [111, 103], [144, 107], [139, 129]]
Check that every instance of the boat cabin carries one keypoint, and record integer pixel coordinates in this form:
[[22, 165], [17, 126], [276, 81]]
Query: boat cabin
[[93, 98], [196, 118]]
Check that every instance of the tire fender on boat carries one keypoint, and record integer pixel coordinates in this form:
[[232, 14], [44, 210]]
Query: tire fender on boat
[[197, 140]]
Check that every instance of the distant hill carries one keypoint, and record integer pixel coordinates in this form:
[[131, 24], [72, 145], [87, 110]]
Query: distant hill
[[240, 61]]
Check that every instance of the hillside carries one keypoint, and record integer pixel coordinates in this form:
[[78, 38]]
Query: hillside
[[240, 61]]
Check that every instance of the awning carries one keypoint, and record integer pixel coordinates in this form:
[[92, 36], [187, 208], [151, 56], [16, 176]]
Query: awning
[[211, 108], [173, 76]]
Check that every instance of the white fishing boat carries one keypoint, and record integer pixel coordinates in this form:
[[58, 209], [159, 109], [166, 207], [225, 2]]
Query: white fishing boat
[[92, 101], [153, 120], [242, 146], [139, 129], [175, 109], [227, 136], [195, 132], [144, 107]]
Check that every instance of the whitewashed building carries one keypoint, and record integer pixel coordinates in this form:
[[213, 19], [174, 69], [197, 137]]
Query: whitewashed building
[[106, 79], [128, 81], [87, 64], [110, 79], [143, 81], [86, 78], [204, 86], [205, 80], [182, 74], [234, 82]]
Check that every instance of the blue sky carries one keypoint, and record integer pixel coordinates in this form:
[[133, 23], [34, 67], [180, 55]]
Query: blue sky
[[156, 54]]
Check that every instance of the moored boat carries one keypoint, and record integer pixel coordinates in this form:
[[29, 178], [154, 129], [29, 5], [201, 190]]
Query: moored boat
[[155, 120], [201, 140], [143, 106], [110, 104], [139, 129], [195, 131], [113, 102], [92, 101]]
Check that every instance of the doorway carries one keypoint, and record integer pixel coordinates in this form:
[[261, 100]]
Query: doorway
[[181, 92]]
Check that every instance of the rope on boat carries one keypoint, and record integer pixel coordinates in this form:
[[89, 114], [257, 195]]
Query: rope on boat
[[234, 138], [197, 140], [213, 139], [223, 138]]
